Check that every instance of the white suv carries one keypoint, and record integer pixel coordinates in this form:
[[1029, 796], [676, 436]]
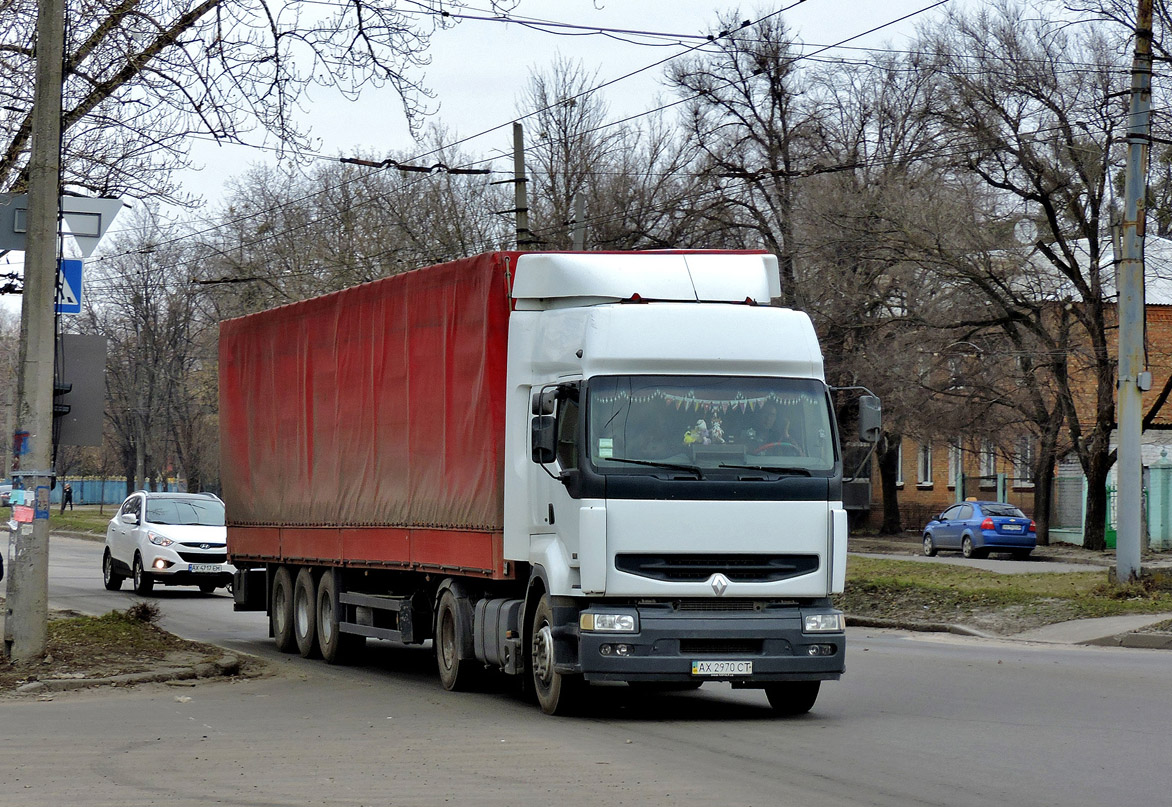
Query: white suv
[[176, 539]]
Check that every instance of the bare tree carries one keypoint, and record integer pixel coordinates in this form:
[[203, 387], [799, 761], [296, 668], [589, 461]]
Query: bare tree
[[754, 129], [144, 76], [1033, 109], [160, 366]]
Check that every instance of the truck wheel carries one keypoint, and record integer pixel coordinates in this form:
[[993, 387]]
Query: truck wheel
[[143, 584], [792, 699], [305, 614], [110, 578], [453, 624], [336, 647], [282, 610], [557, 693]]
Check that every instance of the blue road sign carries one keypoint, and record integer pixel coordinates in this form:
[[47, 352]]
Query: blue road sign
[[69, 286]]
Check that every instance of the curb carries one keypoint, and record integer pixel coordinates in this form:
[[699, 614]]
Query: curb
[[226, 665], [922, 627], [1144, 641]]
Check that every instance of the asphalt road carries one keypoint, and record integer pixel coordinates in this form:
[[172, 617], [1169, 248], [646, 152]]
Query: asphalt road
[[917, 720]]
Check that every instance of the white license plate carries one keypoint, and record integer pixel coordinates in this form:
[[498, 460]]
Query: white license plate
[[1011, 527], [204, 568], [722, 668]]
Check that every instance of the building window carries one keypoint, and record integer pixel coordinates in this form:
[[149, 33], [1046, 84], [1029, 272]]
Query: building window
[[1023, 462], [955, 464], [988, 461], [924, 465]]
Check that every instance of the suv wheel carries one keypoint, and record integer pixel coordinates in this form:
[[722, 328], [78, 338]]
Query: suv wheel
[[143, 584]]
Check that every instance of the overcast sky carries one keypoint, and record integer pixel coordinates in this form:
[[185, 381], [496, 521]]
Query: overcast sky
[[479, 68]]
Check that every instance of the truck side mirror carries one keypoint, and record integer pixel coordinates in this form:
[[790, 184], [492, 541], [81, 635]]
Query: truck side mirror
[[545, 401], [870, 419], [543, 439]]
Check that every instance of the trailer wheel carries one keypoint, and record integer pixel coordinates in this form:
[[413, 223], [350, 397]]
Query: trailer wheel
[[794, 698], [336, 647], [282, 610], [557, 693], [453, 622], [305, 614]]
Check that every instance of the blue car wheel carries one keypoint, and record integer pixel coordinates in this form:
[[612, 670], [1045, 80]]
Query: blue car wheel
[[929, 545]]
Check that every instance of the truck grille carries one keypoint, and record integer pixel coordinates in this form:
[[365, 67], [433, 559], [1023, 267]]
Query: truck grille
[[731, 646], [698, 568]]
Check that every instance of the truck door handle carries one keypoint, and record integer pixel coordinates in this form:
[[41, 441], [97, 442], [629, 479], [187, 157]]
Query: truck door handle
[[550, 513]]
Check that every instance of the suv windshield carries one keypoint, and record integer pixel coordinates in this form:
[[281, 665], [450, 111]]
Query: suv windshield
[[204, 512], [709, 423]]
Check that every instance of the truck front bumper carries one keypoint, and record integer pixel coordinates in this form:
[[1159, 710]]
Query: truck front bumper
[[668, 641]]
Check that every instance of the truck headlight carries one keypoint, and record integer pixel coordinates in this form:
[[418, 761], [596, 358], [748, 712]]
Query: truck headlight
[[609, 623], [824, 623]]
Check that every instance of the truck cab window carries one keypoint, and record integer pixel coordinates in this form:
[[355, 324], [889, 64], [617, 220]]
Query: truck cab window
[[567, 451], [718, 424]]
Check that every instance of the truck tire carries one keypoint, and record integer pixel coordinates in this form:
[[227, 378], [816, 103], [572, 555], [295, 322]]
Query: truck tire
[[557, 693], [453, 627], [336, 647], [282, 610], [794, 698], [305, 614]]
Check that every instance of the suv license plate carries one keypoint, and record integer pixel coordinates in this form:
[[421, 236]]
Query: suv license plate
[[204, 568], [722, 668]]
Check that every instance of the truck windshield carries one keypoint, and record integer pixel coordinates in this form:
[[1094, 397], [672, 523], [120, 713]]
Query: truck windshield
[[711, 423]]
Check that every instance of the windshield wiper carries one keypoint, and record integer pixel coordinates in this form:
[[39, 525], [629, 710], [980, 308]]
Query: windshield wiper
[[670, 465], [771, 469]]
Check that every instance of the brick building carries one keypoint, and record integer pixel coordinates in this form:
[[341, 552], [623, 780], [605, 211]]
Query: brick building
[[936, 473]]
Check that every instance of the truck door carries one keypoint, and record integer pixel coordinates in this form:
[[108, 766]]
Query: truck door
[[555, 509]]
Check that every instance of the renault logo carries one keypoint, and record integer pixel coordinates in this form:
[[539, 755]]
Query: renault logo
[[719, 584]]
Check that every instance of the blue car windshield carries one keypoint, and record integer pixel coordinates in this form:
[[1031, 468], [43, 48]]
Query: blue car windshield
[[201, 512], [1007, 510]]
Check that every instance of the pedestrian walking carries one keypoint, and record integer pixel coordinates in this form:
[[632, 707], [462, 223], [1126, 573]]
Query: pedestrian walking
[[67, 497]]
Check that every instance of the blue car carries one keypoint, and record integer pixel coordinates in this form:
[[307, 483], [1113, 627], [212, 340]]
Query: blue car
[[978, 528]]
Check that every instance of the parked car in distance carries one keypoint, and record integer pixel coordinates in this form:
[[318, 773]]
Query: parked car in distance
[[978, 528], [5, 495], [174, 539]]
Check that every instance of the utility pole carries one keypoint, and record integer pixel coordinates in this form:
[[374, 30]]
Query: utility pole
[[520, 194], [27, 618], [1129, 282]]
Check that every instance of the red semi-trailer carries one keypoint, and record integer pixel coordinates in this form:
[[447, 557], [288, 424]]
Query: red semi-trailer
[[457, 454]]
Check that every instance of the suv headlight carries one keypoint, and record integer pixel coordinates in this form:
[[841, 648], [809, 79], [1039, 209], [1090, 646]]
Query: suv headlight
[[608, 623], [159, 540], [824, 623]]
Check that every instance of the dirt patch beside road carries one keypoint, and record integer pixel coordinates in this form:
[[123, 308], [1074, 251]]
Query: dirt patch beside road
[[118, 649]]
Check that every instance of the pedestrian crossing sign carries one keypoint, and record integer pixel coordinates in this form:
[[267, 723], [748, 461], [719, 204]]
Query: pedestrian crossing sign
[[69, 286]]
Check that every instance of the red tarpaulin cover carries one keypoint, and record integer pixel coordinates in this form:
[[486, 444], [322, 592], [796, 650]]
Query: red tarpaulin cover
[[368, 425]]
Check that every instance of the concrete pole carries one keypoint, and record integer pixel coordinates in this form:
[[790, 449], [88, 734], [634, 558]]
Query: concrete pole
[[520, 193], [27, 618], [1130, 285]]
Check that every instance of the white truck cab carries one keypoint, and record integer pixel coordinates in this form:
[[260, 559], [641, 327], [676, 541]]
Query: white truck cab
[[673, 476]]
